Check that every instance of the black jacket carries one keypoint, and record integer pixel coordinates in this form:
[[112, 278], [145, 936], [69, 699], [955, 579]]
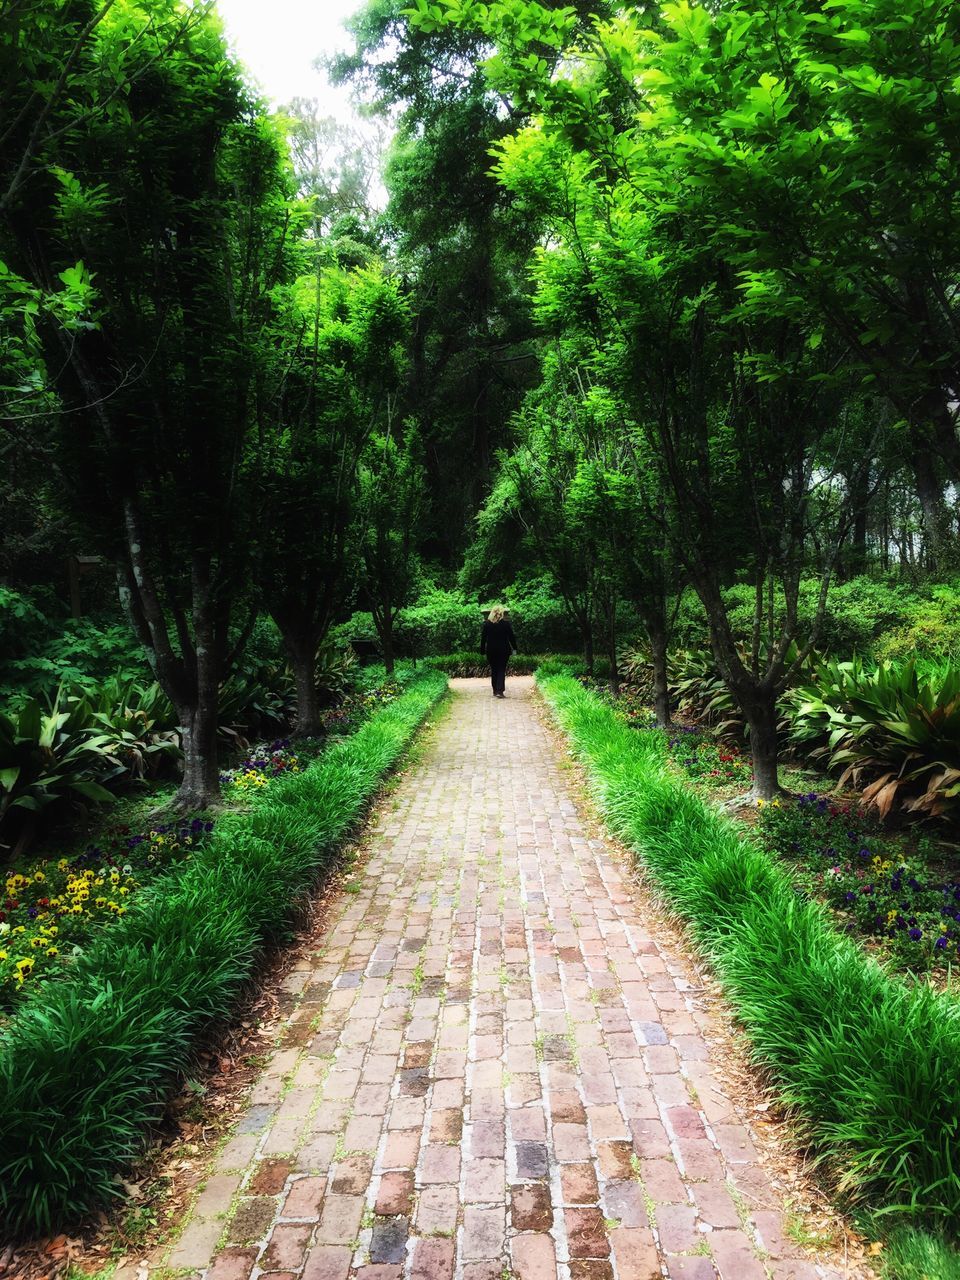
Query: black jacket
[[497, 639]]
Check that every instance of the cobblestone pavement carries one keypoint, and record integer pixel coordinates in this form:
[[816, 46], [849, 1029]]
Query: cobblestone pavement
[[492, 1071]]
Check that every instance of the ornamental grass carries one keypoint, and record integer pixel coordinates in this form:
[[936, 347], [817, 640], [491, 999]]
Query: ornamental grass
[[87, 1064], [868, 1064]]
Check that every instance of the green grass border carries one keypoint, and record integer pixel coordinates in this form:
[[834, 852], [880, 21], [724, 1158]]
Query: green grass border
[[868, 1064], [87, 1064]]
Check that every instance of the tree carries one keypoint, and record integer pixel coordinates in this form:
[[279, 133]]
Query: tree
[[329, 378], [391, 503], [733, 397], [173, 191]]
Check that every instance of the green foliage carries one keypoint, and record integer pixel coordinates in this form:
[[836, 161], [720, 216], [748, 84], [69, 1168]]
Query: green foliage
[[889, 720], [47, 754], [869, 1067], [85, 1066], [928, 630], [912, 1254]]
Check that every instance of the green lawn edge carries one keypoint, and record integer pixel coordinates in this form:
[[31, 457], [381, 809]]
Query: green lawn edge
[[868, 1064], [87, 1064]]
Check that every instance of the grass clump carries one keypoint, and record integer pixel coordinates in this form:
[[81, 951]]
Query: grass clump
[[87, 1063], [869, 1065]]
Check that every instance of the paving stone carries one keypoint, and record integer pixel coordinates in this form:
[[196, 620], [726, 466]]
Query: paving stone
[[389, 1240], [530, 1207], [286, 1247], [533, 1257], [395, 1194], [495, 966]]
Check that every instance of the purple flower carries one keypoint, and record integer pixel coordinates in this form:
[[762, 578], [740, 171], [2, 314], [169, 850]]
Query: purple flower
[[916, 934]]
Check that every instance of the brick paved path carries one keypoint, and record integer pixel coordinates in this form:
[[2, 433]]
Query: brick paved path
[[492, 1070]]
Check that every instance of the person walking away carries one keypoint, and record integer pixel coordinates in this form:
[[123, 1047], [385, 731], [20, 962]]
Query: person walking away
[[497, 642]]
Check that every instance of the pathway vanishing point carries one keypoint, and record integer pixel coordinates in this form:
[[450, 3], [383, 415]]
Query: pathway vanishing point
[[492, 1071]]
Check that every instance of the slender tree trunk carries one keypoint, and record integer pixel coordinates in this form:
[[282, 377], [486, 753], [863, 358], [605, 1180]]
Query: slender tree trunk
[[586, 632], [760, 711], [386, 644], [657, 634], [612, 649]]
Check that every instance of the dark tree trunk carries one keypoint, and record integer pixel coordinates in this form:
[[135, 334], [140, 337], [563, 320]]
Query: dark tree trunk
[[386, 644], [200, 786], [586, 632], [611, 638], [760, 711], [937, 524], [301, 653], [657, 634]]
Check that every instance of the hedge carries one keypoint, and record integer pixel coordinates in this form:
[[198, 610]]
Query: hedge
[[87, 1064], [868, 1065]]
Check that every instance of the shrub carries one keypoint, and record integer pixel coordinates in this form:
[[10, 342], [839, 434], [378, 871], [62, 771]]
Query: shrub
[[869, 1066], [886, 725], [86, 1064]]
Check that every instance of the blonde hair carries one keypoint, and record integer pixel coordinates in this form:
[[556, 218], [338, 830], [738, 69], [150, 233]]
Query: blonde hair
[[496, 613]]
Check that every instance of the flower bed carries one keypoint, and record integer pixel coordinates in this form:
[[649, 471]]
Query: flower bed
[[878, 889], [52, 906]]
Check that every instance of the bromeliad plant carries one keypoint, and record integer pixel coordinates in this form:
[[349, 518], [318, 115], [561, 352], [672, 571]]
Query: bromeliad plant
[[889, 727], [46, 754]]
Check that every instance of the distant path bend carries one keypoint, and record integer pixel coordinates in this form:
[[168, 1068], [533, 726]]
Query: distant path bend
[[492, 1069]]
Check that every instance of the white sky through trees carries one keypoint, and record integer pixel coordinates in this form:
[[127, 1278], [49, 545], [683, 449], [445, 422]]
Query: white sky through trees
[[279, 40]]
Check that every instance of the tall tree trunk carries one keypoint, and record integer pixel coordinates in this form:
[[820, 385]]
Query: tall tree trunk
[[611, 630], [200, 786], [760, 710], [586, 632], [386, 644], [301, 654], [937, 524], [657, 634]]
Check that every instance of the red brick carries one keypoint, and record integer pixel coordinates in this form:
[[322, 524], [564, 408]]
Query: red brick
[[533, 1257], [432, 1260], [483, 1232], [269, 1177], [326, 1262], [285, 1248], [636, 1254], [578, 1184], [395, 1194], [440, 1164], [340, 1219], [586, 1233], [530, 1208], [233, 1264], [402, 1149], [304, 1198]]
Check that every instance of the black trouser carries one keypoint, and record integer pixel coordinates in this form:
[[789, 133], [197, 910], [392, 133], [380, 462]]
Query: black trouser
[[498, 670]]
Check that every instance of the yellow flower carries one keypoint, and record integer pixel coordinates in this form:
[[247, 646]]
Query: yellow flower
[[39, 877], [4, 956]]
